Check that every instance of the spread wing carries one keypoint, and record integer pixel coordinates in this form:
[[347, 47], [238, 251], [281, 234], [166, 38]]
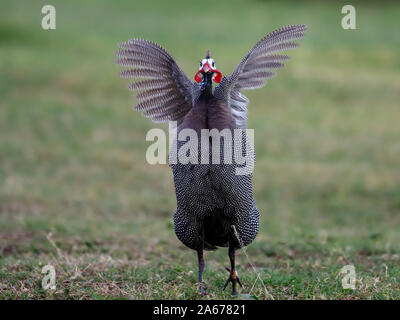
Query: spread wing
[[166, 93], [255, 68]]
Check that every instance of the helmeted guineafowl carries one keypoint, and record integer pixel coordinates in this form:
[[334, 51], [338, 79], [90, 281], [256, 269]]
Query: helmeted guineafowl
[[215, 203]]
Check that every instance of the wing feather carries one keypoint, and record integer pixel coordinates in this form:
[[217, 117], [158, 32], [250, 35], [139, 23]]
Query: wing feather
[[166, 93], [157, 102], [141, 63], [151, 93], [255, 68], [148, 84], [139, 73]]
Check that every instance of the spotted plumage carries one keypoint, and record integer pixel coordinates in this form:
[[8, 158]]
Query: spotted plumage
[[215, 204]]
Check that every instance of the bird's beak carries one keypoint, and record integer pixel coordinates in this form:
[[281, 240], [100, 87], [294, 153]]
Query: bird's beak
[[207, 69]]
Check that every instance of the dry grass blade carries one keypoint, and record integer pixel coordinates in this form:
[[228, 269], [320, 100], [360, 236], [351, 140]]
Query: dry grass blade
[[267, 294]]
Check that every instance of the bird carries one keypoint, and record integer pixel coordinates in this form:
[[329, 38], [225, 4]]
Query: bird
[[215, 205]]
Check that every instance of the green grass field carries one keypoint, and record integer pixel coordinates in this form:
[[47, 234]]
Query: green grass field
[[76, 190]]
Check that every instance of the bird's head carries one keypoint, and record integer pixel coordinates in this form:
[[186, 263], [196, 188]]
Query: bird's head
[[207, 66]]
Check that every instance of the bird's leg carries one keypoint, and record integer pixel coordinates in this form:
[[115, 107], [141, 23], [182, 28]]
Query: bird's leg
[[201, 269], [233, 277]]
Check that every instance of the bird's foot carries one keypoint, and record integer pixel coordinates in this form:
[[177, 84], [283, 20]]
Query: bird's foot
[[234, 278], [200, 286]]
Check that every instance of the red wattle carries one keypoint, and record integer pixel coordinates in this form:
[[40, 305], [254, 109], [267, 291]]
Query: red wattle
[[218, 76], [197, 78]]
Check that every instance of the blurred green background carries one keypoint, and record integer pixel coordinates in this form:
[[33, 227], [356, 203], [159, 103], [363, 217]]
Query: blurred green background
[[76, 190]]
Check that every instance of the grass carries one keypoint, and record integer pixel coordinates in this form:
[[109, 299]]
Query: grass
[[72, 152]]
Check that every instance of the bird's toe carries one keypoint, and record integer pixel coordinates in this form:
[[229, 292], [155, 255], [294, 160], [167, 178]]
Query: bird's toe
[[234, 278]]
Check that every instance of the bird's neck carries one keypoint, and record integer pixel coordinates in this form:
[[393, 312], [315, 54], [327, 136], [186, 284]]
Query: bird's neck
[[206, 85]]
